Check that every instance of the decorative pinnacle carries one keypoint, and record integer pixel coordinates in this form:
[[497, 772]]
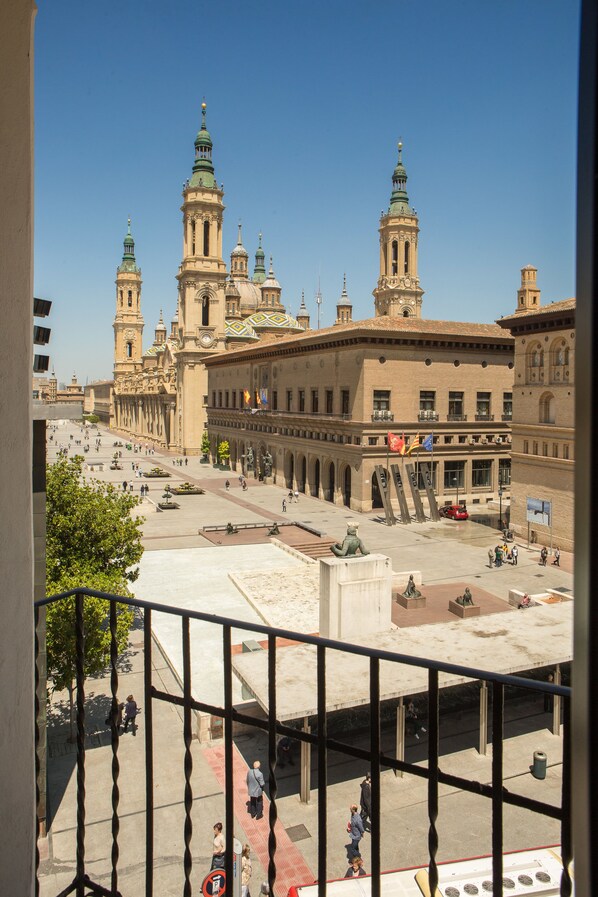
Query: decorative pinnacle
[[259, 241], [344, 284], [400, 150], [129, 226], [203, 114], [239, 240], [271, 271]]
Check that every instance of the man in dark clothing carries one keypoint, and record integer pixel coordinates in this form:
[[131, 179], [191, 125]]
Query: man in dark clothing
[[365, 801], [131, 711], [284, 751], [356, 831], [255, 791]]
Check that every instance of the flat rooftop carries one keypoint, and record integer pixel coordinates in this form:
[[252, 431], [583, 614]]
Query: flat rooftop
[[499, 643]]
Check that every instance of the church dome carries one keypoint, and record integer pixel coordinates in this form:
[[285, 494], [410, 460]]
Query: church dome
[[274, 320], [239, 330], [239, 249], [250, 294]]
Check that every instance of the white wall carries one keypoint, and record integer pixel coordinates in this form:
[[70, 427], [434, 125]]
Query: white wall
[[17, 786]]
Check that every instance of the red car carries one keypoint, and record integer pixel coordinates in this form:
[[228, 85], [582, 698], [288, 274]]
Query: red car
[[454, 512]]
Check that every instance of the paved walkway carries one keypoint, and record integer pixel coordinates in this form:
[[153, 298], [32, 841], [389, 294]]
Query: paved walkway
[[291, 866]]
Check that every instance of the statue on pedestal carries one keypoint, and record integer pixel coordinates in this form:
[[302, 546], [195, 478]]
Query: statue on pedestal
[[465, 600], [249, 458], [411, 591], [231, 530], [274, 531], [267, 464], [351, 545]]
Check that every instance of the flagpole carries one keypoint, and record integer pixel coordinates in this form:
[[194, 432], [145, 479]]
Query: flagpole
[[432, 466]]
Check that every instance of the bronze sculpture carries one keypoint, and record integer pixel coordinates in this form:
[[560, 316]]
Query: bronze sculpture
[[351, 545]]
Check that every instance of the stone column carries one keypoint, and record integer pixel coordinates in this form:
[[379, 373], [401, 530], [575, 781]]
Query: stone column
[[305, 783], [483, 717], [400, 735]]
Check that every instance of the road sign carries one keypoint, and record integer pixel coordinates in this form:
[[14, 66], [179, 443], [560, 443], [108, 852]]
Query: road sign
[[500, 493], [214, 884]]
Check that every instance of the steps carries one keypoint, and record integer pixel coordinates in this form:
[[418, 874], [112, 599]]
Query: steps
[[319, 548]]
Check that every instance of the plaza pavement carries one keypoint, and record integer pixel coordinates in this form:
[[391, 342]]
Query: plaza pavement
[[446, 552]]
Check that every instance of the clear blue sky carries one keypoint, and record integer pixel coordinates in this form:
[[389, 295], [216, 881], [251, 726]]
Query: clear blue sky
[[306, 101]]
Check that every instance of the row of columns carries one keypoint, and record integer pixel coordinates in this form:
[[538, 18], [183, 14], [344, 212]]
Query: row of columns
[[305, 764], [149, 417]]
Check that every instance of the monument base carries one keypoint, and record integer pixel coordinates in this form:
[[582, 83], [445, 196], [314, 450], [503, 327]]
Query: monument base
[[355, 596], [410, 603], [470, 610]]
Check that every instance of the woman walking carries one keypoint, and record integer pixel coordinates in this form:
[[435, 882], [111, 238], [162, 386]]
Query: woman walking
[[246, 871]]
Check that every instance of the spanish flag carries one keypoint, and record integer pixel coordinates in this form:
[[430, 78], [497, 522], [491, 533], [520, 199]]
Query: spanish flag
[[413, 445], [395, 443], [247, 396], [258, 400]]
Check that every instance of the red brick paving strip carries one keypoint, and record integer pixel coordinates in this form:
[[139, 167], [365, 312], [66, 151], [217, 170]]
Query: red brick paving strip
[[291, 867]]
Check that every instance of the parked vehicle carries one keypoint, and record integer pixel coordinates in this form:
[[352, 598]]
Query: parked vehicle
[[454, 512]]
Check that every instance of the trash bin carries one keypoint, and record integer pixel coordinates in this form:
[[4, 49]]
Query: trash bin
[[539, 767]]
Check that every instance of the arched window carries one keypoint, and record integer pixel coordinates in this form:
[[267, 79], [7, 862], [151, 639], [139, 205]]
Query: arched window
[[206, 238], [406, 313], [406, 257], [130, 298], [395, 258], [205, 311], [129, 350], [547, 409], [193, 236], [384, 258], [121, 296]]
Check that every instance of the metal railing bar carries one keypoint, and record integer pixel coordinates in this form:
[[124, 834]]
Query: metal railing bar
[[433, 775], [321, 743], [80, 679], [188, 762], [375, 773], [229, 813], [303, 638], [149, 753], [114, 739], [497, 786], [273, 815]]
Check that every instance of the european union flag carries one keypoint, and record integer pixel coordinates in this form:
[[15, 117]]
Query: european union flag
[[428, 443]]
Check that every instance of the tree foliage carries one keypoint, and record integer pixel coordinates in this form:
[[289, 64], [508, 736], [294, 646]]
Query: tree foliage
[[224, 450], [205, 443], [89, 531], [91, 541]]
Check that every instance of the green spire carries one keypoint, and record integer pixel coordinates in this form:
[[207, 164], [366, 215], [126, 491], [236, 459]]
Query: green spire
[[128, 263], [259, 271], [399, 201], [203, 170]]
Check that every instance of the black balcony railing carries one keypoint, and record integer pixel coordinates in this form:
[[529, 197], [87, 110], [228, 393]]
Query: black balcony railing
[[495, 791], [453, 416], [484, 415], [427, 415]]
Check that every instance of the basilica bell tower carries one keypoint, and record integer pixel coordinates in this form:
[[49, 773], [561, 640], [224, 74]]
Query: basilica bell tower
[[398, 293], [202, 291], [128, 321]]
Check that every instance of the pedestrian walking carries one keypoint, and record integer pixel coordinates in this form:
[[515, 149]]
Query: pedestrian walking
[[241, 479], [131, 711], [119, 716], [290, 496], [557, 557], [124, 485], [498, 556], [296, 495], [365, 800], [284, 751], [227, 485], [284, 505], [356, 830], [490, 558], [218, 848], [131, 486], [514, 555], [186, 461], [543, 556], [255, 790], [355, 868], [246, 871]]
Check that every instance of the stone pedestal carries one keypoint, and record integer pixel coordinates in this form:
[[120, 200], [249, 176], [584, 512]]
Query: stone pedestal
[[355, 596], [410, 603], [471, 610]]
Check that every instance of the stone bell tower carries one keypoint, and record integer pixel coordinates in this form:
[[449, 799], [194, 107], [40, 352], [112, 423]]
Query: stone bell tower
[[202, 291], [128, 321], [398, 292]]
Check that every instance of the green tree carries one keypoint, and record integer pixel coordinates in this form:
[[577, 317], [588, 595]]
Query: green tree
[[224, 451], [91, 541], [205, 443]]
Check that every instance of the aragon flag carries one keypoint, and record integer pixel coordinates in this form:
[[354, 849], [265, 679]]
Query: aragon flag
[[414, 444], [247, 396], [395, 443]]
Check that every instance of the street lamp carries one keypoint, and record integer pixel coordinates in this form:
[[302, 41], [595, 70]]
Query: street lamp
[[456, 476], [500, 491]]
